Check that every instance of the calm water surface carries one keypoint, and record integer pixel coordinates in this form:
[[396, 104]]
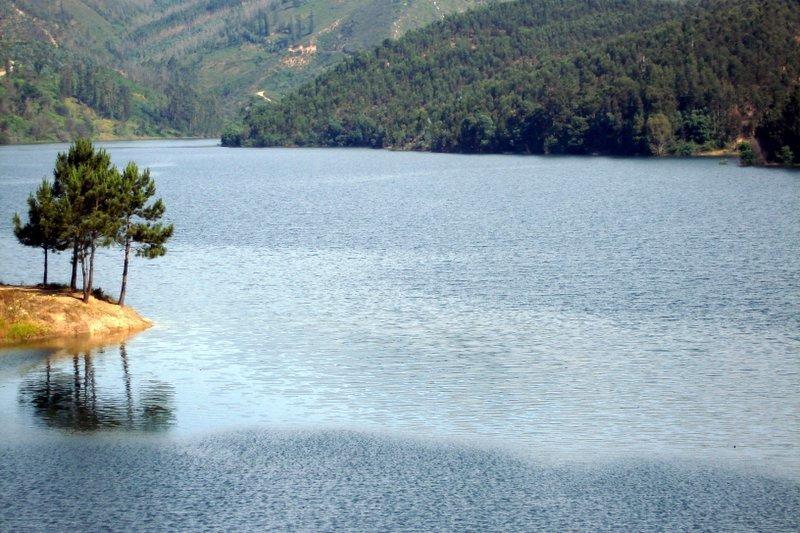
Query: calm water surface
[[367, 339]]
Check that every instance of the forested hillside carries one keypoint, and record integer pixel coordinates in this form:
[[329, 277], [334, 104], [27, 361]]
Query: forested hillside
[[60, 81], [50, 94], [558, 76], [176, 66], [240, 48]]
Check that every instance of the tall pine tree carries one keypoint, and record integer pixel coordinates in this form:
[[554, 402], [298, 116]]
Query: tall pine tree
[[139, 217]]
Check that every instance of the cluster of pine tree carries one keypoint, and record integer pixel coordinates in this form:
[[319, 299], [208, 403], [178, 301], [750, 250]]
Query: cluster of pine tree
[[187, 109], [89, 204], [96, 87], [557, 76]]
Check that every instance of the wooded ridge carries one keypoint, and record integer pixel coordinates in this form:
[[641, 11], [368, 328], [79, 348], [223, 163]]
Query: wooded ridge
[[561, 76], [164, 68]]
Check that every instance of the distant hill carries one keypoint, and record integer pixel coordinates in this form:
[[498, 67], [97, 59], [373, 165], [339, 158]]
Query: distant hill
[[186, 63], [62, 78], [240, 48], [556, 76]]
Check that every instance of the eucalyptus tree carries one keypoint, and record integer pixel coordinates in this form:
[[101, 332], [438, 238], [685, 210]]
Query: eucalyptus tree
[[44, 228], [139, 217]]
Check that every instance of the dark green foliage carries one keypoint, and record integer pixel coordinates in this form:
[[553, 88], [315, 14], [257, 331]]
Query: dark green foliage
[[232, 135], [36, 98], [85, 181], [100, 294], [785, 156], [552, 76], [697, 128], [88, 184], [139, 218], [45, 222], [779, 134], [747, 156], [42, 228], [186, 63], [96, 87]]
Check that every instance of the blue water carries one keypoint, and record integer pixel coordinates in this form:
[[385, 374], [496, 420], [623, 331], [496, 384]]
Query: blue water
[[359, 338]]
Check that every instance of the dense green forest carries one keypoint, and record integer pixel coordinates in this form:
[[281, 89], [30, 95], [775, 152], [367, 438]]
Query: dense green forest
[[778, 134], [51, 94], [560, 76], [127, 68]]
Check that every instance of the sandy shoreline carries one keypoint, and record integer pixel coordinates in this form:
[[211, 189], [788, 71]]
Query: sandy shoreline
[[35, 313]]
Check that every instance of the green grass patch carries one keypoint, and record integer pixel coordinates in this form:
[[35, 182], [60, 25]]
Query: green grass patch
[[21, 331]]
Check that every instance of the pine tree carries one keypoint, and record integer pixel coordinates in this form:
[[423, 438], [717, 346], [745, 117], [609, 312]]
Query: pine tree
[[81, 158], [45, 223], [779, 133], [88, 185], [98, 223], [139, 219]]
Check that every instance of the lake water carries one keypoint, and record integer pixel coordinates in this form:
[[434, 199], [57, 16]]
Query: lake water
[[373, 340]]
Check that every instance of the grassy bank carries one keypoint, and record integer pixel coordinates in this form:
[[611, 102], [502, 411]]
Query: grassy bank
[[35, 313]]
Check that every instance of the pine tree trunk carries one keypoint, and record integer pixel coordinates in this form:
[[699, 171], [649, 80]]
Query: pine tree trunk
[[83, 275], [87, 293], [45, 268], [125, 271], [73, 282]]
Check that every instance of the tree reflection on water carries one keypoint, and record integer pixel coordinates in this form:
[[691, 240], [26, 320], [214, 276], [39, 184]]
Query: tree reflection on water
[[67, 394]]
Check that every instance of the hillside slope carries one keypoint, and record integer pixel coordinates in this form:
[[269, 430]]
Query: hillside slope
[[239, 48], [553, 76], [50, 91], [192, 61]]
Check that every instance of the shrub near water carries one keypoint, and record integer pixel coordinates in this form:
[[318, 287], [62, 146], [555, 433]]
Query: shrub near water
[[100, 294]]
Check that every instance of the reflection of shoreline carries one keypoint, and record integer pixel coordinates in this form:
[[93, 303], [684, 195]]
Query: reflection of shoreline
[[61, 347], [66, 394]]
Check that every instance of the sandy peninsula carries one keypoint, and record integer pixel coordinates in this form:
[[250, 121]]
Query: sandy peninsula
[[36, 313]]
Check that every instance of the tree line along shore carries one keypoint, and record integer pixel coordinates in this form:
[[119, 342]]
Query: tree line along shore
[[623, 77]]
